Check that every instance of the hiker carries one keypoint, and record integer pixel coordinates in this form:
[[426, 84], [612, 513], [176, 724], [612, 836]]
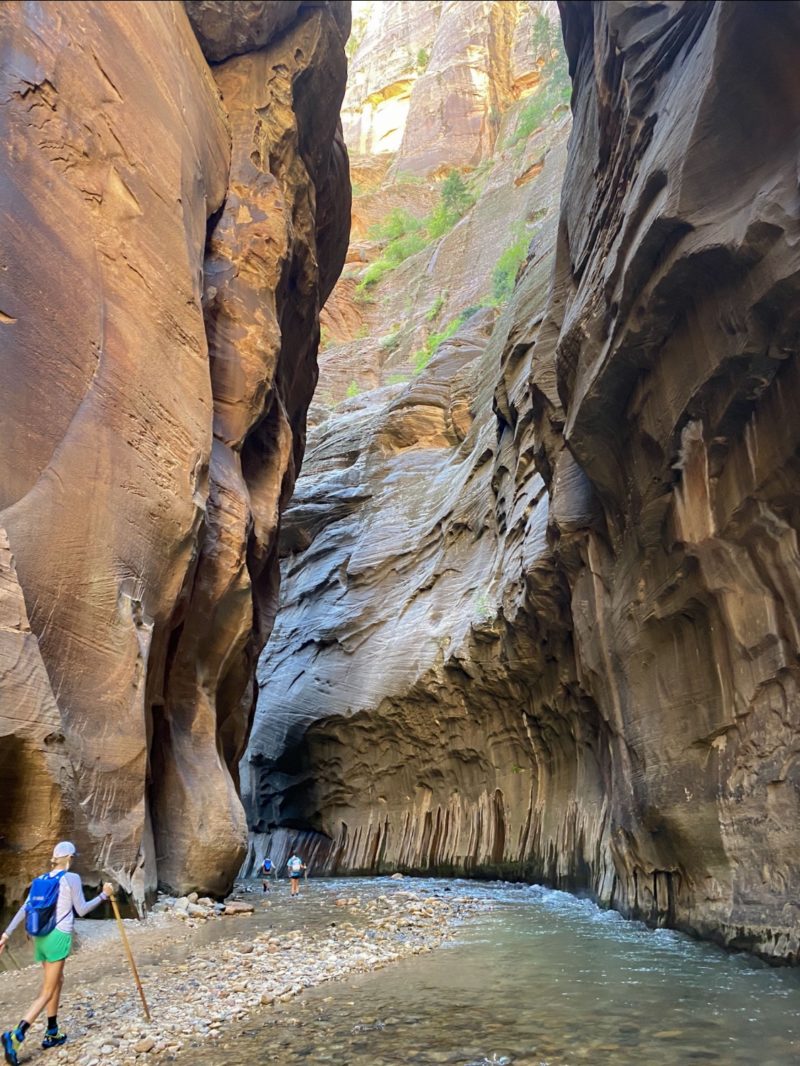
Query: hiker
[[267, 870], [296, 866], [49, 918]]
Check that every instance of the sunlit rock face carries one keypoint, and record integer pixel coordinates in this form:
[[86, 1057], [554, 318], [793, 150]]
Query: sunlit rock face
[[427, 67], [560, 641], [387, 60], [138, 514], [429, 81]]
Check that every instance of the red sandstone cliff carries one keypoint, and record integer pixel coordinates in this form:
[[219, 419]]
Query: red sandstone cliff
[[165, 253]]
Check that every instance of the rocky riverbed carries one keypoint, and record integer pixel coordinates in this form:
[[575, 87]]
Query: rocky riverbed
[[264, 951]]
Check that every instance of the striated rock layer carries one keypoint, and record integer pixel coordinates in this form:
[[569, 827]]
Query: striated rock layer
[[429, 81], [383, 721], [560, 642], [478, 104], [130, 508]]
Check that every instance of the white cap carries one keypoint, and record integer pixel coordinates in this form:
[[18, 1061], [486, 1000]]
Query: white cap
[[64, 850]]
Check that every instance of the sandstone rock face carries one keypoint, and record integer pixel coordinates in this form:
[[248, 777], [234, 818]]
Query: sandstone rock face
[[667, 366], [559, 642], [371, 338], [371, 726], [429, 80], [397, 37], [115, 151], [272, 259], [228, 28], [455, 106], [120, 484]]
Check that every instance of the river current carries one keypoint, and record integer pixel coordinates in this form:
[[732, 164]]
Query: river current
[[538, 977]]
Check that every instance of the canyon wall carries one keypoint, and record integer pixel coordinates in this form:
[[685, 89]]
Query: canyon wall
[[436, 92], [165, 253], [540, 614]]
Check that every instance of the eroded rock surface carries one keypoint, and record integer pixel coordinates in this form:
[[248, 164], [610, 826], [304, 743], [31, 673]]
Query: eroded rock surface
[[667, 365], [271, 261], [463, 84], [560, 643], [371, 724], [121, 490]]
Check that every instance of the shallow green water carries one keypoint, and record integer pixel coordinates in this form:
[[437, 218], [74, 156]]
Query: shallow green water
[[541, 977]]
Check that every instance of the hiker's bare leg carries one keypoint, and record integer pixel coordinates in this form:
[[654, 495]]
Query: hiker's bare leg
[[52, 980], [52, 1003]]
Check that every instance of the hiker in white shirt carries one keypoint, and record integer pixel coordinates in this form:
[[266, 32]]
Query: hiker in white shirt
[[295, 866], [52, 948]]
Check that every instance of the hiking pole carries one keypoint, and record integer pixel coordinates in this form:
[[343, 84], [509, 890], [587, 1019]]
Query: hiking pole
[[13, 957], [129, 953]]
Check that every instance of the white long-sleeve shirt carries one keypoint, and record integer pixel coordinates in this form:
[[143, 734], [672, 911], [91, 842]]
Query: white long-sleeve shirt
[[70, 901]]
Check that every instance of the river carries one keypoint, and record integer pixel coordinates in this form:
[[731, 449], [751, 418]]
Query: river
[[538, 977]]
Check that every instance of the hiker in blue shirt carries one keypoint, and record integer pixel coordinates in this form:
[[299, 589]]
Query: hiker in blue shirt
[[49, 913], [268, 870], [295, 866]]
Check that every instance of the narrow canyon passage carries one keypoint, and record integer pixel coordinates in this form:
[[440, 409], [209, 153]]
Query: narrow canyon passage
[[538, 611], [400, 468]]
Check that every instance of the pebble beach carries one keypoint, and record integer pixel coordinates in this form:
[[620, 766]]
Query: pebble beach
[[238, 957]]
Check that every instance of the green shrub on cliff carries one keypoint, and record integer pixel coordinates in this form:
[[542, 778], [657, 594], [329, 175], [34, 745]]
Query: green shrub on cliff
[[455, 195], [555, 87], [406, 235], [434, 310], [405, 238], [507, 266], [424, 354], [391, 342]]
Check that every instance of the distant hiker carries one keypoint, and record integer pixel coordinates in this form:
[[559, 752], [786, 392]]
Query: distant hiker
[[49, 918], [296, 866], [267, 871]]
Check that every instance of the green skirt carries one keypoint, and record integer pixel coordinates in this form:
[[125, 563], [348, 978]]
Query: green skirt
[[53, 947]]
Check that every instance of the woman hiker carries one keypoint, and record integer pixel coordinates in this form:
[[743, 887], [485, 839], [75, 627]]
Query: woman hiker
[[296, 867], [50, 907]]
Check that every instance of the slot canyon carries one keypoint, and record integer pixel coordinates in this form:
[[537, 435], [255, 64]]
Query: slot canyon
[[426, 490]]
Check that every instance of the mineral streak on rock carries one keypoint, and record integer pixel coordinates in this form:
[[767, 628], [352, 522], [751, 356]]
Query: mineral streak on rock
[[133, 555], [561, 641]]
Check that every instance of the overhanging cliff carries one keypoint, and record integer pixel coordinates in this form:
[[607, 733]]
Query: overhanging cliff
[[541, 602]]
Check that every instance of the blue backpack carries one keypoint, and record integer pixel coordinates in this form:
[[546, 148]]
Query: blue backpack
[[40, 909]]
